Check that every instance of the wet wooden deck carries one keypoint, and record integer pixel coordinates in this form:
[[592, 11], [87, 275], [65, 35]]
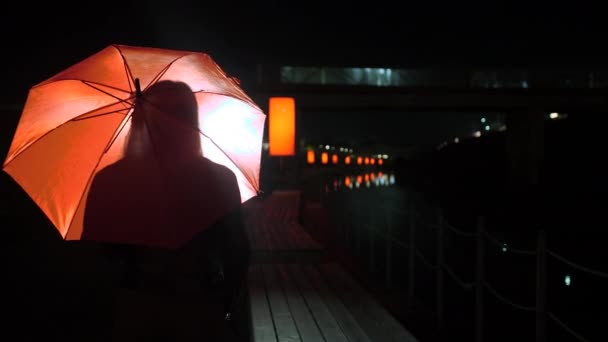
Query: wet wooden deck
[[297, 293]]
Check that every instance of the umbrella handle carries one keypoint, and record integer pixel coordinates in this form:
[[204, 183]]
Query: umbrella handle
[[137, 88]]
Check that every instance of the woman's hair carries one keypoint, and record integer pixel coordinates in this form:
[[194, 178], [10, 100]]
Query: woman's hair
[[165, 123]]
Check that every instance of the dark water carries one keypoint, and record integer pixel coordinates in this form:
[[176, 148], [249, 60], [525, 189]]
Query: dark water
[[363, 216]]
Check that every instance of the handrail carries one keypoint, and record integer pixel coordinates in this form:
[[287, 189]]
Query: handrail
[[440, 266]]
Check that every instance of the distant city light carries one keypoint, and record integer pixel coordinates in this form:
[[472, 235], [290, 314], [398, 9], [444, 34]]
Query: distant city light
[[567, 280], [504, 247], [554, 115], [310, 156], [487, 127], [324, 157], [456, 140], [483, 120], [477, 134], [327, 147]]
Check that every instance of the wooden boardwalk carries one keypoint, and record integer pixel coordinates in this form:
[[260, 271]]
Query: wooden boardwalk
[[298, 294]]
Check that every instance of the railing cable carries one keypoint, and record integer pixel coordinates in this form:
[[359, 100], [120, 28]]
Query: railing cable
[[458, 231], [506, 247], [567, 328], [460, 282], [424, 259], [577, 266], [505, 300]]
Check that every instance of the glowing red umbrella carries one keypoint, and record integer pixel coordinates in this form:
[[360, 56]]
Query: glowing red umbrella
[[75, 123]]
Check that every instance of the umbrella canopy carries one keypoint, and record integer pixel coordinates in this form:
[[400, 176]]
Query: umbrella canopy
[[77, 123]]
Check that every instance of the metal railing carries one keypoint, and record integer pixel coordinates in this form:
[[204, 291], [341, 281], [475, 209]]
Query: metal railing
[[480, 285]]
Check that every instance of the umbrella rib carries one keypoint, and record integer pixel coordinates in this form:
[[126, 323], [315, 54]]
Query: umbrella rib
[[249, 101], [115, 135], [117, 132], [154, 80], [93, 85], [80, 117], [127, 69], [227, 156], [77, 118], [84, 192]]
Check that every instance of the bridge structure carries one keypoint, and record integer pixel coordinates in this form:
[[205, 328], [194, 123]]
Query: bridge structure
[[524, 97]]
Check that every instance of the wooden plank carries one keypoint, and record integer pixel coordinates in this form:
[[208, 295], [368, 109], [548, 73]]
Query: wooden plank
[[251, 222], [330, 329], [305, 322], [347, 322], [286, 328], [262, 326], [379, 324]]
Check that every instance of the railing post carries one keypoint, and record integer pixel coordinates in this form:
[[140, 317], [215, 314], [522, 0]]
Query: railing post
[[371, 227], [389, 245], [439, 270], [411, 255], [541, 286], [358, 229], [479, 276]]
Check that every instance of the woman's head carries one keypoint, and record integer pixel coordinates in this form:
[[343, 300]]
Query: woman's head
[[165, 122]]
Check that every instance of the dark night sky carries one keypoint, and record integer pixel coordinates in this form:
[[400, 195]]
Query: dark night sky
[[380, 33], [41, 40]]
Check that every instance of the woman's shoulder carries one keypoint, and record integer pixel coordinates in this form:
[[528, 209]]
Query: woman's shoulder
[[214, 168]]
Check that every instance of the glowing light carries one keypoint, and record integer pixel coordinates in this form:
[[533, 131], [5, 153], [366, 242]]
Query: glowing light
[[359, 179], [380, 161], [347, 182], [334, 159], [483, 120], [359, 160], [554, 115], [366, 161], [235, 138], [487, 127], [310, 157], [567, 280], [477, 134], [372, 161], [504, 247], [324, 158], [282, 126], [347, 160], [456, 140], [366, 177]]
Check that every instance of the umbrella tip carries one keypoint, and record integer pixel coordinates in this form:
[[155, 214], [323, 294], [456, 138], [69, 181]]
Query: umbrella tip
[[137, 88]]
